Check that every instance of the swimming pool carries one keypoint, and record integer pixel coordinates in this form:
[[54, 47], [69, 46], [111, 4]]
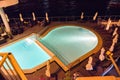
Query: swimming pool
[[65, 44], [27, 53], [70, 43]]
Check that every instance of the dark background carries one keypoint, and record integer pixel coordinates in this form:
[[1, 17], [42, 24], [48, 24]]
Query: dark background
[[64, 7]]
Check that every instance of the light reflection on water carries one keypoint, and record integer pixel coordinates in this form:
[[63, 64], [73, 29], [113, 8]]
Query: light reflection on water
[[27, 53], [70, 42]]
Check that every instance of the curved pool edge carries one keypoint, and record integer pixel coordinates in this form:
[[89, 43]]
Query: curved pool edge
[[93, 51]]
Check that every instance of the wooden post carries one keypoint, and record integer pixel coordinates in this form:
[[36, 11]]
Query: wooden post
[[16, 67]]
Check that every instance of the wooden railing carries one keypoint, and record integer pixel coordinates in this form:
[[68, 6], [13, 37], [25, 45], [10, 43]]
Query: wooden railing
[[9, 67]]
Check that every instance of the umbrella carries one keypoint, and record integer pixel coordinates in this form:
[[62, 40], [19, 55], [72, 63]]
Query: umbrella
[[82, 15], [115, 31], [46, 16], [47, 72], [21, 18], [115, 39], [118, 23], [7, 17], [112, 47], [108, 24], [33, 14], [6, 3], [95, 16], [89, 64], [101, 56]]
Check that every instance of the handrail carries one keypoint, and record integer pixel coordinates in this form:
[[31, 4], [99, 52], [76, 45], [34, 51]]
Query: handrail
[[14, 64], [4, 56]]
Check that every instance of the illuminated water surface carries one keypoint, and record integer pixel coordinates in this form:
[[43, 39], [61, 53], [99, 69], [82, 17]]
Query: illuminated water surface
[[27, 53], [69, 43]]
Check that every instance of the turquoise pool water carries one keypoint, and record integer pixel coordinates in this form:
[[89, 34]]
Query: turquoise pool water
[[27, 53], [69, 43]]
